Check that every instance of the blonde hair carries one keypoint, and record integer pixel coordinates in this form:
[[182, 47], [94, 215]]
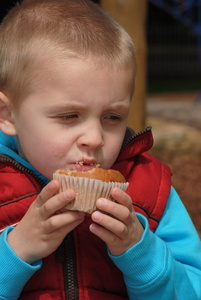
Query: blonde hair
[[57, 27]]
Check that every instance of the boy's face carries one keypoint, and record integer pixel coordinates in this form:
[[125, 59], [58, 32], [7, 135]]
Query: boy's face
[[75, 117]]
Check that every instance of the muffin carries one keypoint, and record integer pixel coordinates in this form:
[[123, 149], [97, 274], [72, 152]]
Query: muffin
[[89, 186]]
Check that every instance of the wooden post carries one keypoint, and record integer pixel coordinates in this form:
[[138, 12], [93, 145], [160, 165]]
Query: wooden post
[[132, 15]]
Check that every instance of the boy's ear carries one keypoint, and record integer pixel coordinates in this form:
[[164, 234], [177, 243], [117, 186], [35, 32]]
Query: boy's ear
[[7, 124]]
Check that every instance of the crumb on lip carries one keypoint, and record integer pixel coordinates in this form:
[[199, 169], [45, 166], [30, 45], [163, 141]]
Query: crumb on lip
[[97, 165], [81, 163]]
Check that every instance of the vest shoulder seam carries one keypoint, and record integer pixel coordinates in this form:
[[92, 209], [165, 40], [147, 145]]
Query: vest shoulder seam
[[147, 212]]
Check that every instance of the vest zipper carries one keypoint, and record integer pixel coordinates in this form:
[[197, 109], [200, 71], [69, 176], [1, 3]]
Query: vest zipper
[[134, 135], [70, 268], [11, 161]]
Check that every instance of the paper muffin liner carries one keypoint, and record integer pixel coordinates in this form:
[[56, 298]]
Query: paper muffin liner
[[87, 190]]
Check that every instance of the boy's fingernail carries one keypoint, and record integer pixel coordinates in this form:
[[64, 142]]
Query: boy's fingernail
[[92, 228], [69, 195], [53, 184], [101, 202], [96, 216]]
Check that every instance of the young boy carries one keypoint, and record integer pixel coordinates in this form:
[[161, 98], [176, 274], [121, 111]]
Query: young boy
[[67, 74]]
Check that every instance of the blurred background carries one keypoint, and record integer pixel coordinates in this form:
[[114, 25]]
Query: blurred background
[[167, 37]]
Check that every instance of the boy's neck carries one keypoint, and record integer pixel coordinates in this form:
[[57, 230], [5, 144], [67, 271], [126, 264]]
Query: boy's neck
[[20, 151]]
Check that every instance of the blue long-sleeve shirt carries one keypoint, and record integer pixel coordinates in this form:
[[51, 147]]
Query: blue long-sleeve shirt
[[163, 265]]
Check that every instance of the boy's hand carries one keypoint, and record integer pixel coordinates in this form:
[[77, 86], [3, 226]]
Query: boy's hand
[[43, 227], [120, 229]]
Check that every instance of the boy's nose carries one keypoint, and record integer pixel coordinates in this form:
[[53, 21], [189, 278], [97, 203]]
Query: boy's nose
[[92, 137]]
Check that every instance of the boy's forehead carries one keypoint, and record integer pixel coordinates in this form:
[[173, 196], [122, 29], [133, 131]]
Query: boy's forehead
[[49, 72], [48, 65]]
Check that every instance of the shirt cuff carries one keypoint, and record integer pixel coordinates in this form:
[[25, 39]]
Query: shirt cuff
[[14, 272], [148, 254]]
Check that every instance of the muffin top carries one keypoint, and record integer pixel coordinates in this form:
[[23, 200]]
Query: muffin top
[[96, 173]]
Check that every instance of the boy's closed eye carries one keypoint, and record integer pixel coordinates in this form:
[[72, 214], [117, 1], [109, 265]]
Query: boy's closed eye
[[114, 117], [69, 116]]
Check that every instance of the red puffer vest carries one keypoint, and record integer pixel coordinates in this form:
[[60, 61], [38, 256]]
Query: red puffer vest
[[81, 268]]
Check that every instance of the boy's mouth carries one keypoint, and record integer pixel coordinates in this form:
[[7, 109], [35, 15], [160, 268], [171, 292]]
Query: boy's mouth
[[86, 164]]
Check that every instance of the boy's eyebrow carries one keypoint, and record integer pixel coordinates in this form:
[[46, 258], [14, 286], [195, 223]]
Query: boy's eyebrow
[[58, 108]]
